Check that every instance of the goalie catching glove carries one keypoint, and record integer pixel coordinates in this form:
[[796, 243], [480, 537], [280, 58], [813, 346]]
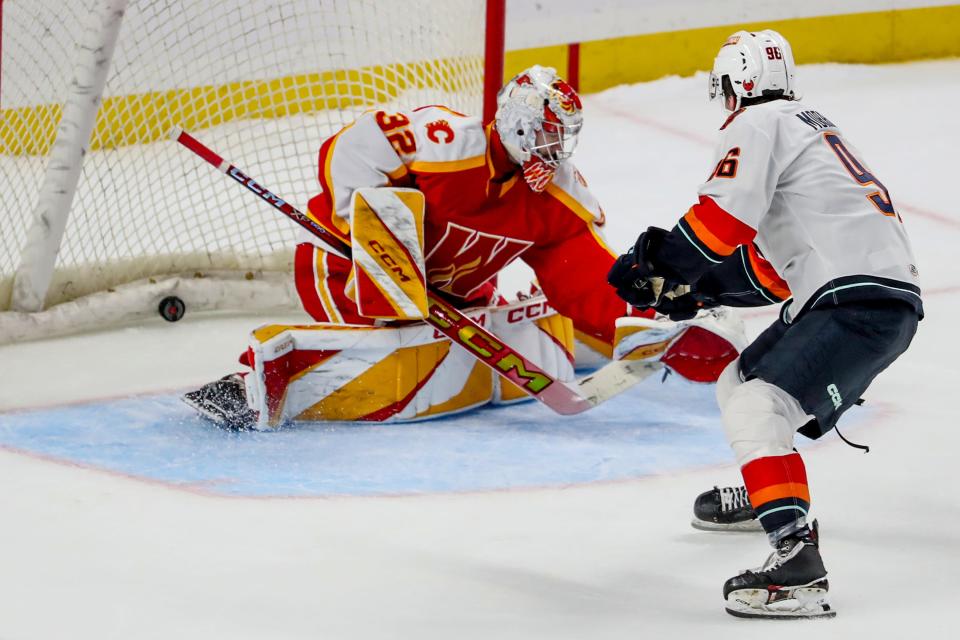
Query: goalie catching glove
[[697, 349]]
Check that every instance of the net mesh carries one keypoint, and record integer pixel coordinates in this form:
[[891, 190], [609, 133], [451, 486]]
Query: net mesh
[[262, 83]]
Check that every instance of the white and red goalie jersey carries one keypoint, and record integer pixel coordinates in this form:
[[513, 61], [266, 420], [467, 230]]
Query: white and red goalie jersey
[[480, 215]]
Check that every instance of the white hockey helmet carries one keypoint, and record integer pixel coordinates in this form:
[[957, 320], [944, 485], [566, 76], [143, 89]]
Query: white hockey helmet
[[539, 115], [756, 65]]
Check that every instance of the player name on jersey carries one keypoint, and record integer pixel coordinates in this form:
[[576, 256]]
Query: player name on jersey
[[815, 119]]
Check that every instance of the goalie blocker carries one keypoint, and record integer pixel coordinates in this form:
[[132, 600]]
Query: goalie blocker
[[387, 281]]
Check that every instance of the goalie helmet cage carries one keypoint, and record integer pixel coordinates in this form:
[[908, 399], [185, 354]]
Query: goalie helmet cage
[[104, 216]]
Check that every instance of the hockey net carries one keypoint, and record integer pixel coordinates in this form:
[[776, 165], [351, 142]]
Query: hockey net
[[265, 82]]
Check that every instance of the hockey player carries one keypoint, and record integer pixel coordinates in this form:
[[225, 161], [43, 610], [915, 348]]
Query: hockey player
[[491, 194], [789, 211], [434, 197]]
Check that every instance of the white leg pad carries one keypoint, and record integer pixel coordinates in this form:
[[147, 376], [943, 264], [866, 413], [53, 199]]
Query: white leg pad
[[759, 418]]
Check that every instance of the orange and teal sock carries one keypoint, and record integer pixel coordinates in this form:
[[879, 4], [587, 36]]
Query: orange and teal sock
[[777, 486]]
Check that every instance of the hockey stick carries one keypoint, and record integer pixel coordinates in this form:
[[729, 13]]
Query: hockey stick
[[564, 398]]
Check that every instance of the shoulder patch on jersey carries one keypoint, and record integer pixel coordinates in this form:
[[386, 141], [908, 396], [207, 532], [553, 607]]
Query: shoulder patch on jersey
[[445, 136], [439, 131], [732, 116]]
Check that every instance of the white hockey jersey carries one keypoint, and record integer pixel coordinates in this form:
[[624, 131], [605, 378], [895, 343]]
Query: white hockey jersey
[[787, 181]]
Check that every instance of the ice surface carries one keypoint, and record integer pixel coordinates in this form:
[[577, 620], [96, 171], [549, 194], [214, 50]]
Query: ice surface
[[125, 518], [159, 438]]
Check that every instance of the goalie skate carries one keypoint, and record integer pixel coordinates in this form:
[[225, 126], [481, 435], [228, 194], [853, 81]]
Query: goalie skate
[[792, 584], [223, 402], [724, 509]]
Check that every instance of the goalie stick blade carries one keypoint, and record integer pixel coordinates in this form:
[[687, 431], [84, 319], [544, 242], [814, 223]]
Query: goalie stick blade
[[613, 379], [606, 382]]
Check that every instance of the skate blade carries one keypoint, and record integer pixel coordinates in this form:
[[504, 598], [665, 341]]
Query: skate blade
[[746, 525], [803, 603], [826, 613]]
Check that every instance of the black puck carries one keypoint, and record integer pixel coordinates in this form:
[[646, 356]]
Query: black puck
[[172, 308]]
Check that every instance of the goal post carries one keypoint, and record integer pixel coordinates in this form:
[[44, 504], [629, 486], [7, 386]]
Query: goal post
[[96, 226], [65, 161]]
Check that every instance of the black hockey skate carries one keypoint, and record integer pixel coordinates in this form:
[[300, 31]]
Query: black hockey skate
[[224, 402], [724, 509], [792, 584]]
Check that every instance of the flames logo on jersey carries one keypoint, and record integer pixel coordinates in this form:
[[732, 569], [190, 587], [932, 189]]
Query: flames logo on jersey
[[446, 277], [464, 259], [524, 79], [748, 85], [437, 127]]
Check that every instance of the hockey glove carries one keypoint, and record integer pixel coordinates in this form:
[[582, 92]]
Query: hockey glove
[[683, 303], [637, 276]]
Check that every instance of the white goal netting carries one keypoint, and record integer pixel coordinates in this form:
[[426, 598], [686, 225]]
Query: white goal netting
[[262, 82]]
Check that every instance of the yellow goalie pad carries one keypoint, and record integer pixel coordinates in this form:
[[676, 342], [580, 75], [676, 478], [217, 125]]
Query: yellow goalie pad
[[329, 372], [386, 228]]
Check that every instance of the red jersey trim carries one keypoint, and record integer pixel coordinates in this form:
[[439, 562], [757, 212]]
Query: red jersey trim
[[326, 183], [320, 211], [499, 165], [732, 116], [767, 275], [719, 231]]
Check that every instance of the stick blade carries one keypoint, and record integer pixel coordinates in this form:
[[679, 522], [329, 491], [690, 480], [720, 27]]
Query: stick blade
[[603, 384], [614, 378]]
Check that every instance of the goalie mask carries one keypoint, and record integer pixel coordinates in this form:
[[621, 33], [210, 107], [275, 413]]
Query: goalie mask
[[538, 119], [752, 65]]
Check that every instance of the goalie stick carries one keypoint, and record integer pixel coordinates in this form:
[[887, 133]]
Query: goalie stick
[[564, 398]]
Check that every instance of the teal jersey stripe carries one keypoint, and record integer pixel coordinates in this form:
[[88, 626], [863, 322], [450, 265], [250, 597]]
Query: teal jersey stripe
[[696, 245], [863, 284], [792, 506], [746, 270]]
